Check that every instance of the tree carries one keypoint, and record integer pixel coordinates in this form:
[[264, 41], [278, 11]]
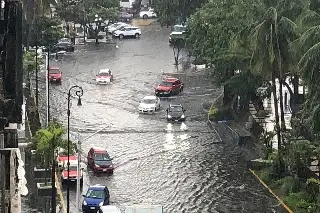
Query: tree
[[47, 32], [177, 45], [29, 63], [47, 141], [177, 11]]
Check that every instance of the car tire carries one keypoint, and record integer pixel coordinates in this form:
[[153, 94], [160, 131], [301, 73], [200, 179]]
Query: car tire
[[137, 35], [121, 36], [145, 16]]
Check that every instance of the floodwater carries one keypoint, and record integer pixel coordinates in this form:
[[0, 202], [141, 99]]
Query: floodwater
[[183, 167]]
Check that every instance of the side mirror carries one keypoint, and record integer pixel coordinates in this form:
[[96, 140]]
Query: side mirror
[[184, 110], [111, 158], [83, 195], [166, 110]]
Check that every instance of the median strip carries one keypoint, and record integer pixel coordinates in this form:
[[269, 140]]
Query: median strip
[[270, 190], [63, 206]]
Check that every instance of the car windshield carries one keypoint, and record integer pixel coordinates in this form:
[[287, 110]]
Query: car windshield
[[103, 74], [148, 101], [101, 157], [54, 71], [175, 109], [72, 168], [178, 28], [166, 84], [98, 194]]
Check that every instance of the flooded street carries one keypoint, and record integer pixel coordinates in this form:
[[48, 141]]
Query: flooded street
[[180, 166]]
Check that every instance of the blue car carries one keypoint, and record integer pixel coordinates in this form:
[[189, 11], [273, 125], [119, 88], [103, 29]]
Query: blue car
[[95, 197]]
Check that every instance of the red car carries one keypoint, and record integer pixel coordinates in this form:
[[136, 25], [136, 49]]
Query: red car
[[55, 75], [73, 173], [169, 86], [100, 161]]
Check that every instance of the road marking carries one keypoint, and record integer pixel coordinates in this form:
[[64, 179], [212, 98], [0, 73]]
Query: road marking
[[63, 205], [270, 190]]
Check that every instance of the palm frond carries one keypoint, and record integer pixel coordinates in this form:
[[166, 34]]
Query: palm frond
[[310, 38]]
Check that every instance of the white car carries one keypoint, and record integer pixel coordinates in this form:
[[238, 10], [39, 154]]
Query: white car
[[104, 76], [148, 14], [127, 31], [116, 26], [110, 209], [149, 104]]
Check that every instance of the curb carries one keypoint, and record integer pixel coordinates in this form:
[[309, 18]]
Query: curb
[[270, 190], [63, 205]]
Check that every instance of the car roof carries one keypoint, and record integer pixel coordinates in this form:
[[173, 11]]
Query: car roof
[[53, 68], [175, 105], [171, 79], [149, 97], [99, 150], [97, 187], [104, 70]]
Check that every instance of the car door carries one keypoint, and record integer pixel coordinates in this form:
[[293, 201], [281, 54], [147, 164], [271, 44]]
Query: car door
[[90, 157], [107, 196], [158, 103], [176, 87], [130, 32]]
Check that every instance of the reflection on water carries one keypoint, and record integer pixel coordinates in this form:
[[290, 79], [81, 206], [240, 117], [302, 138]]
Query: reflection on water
[[183, 126]]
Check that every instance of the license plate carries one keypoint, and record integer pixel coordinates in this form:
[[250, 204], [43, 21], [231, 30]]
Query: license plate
[[177, 120], [104, 170], [92, 207], [73, 180], [54, 79]]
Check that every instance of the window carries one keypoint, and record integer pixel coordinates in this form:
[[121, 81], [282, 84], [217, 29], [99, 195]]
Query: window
[[72, 168], [101, 157], [166, 84], [99, 194], [175, 109], [148, 101], [125, 0], [54, 71]]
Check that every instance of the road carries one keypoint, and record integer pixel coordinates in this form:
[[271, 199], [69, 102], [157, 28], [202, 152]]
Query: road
[[181, 166]]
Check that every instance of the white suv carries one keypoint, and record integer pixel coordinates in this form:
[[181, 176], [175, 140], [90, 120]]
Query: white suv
[[127, 31]]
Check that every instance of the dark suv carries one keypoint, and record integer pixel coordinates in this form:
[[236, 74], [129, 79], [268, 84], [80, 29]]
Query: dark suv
[[175, 112], [99, 161]]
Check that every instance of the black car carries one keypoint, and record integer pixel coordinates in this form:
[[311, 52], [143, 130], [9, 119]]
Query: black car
[[175, 112], [124, 16], [64, 46]]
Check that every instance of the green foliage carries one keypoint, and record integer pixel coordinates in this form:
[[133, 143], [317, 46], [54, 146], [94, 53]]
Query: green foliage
[[47, 141], [46, 32], [29, 62], [174, 12], [85, 12]]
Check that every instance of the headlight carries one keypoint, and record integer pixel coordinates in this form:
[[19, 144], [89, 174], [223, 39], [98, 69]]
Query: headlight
[[101, 204], [84, 203], [182, 116], [96, 165], [169, 116]]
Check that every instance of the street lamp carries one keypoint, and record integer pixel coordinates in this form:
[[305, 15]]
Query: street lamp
[[78, 92]]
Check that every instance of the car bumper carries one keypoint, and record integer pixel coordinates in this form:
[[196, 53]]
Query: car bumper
[[55, 79], [176, 119], [149, 111], [71, 179], [162, 93], [103, 170], [103, 82], [90, 208]]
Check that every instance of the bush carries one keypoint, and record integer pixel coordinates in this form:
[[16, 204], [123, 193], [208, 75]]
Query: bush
[[300, 202], [219, 113]]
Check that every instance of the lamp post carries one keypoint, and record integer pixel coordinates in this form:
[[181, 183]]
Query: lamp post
[[98, 21], [78, 167], [78, 92]]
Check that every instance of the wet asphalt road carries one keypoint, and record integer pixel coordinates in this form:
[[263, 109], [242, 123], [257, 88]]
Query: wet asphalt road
[[179, 166]]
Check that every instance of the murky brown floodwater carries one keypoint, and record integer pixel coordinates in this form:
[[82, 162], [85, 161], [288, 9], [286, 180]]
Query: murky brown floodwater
[[179, 166]]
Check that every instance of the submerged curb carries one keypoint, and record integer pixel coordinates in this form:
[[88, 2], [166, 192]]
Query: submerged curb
[[63, 205], [270, 190]]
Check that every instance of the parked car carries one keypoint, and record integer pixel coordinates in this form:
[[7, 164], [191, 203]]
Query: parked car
[[149, 104], [148, 14], [178, 32], [99, 160], [67, 46], [96, 196], [62, 156], [175, 112], [73, 168], [55, 75], [124, 16], [109, 209], [104, 76], [127, 31], [169, 86], [116, 26]]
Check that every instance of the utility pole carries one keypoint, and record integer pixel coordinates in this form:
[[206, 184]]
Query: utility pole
[[37, 86]]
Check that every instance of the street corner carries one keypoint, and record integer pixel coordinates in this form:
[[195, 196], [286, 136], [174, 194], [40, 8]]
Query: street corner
[[142, 22]]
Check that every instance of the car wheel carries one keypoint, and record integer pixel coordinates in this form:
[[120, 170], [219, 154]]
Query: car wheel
[[137, 35], [145, 16], [121, 36]]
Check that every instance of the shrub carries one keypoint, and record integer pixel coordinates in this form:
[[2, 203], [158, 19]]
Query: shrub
[[300, 202]]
